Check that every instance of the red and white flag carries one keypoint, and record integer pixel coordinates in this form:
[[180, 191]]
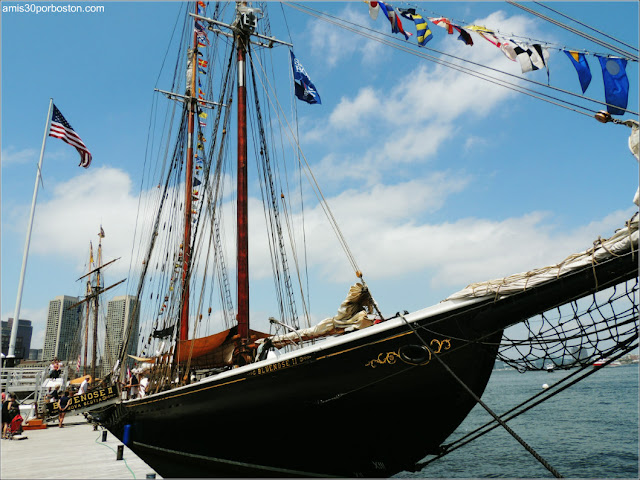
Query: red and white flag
[[61, 129], [373, 9]]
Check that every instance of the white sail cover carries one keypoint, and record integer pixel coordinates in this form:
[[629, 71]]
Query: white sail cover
[[634, 140], [352, 314], [623, 241]]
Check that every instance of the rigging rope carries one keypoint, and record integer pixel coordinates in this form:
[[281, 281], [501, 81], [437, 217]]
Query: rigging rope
[[399, 45], [555, 46], [529, 449], [587, 26], [619, 51], [545, 394], [294, 114], [311, 177], [274, 210]]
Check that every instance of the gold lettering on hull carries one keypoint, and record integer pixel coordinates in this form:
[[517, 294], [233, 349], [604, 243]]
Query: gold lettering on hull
[[274, 367], [390, 358], [88, 399]]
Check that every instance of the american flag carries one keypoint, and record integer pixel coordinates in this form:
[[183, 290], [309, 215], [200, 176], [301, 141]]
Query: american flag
[[201, 34], [61, 129]]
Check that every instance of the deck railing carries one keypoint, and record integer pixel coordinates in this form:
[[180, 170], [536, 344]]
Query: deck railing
[[29, 381]]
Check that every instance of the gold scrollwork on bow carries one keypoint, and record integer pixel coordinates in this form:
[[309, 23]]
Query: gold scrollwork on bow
[[390, 358], [446, 343]]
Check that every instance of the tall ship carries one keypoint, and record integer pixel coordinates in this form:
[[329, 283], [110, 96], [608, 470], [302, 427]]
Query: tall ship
[[364, 393], [87, 340]]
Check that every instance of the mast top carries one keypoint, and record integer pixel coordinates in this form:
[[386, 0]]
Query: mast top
[[246, 17], [246, 22]]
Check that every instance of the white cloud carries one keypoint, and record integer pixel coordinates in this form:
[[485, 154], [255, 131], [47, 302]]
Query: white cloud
[[413, 144], [473, 143], [67, 221], [351, 169], [348, 113], [425, 103], [335, 45], [11, 156], [381, 226]]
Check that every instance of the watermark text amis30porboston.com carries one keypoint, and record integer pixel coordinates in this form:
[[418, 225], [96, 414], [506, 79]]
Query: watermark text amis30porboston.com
[[51, 8]]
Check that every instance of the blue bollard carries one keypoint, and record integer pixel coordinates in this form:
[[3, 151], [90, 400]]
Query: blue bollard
[[126, 437]]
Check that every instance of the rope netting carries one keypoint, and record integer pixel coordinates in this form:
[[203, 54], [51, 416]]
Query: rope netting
[[577, 333]]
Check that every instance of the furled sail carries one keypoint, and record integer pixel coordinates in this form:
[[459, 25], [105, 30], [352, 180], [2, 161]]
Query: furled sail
[[212, 351], [354, 313]]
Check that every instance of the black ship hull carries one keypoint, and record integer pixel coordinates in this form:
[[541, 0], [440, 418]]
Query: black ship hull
[[368, 404], [368, 407]]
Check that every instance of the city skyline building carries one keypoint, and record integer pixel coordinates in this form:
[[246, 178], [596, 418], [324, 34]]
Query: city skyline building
[[63, 325], [35, 354], [23, 339], [121, 311]]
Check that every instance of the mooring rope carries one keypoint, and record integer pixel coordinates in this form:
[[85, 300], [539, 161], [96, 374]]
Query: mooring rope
[[109, 447], [529, 449], [513, 412]]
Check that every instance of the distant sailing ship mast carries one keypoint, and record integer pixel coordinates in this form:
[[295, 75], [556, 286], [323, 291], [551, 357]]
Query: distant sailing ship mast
[[94, 290]]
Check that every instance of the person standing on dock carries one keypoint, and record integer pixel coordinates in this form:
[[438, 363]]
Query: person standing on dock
[[5, 412], [9, 410], [64, 405]]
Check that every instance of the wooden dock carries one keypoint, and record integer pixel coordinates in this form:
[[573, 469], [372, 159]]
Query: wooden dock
[[75, 451]]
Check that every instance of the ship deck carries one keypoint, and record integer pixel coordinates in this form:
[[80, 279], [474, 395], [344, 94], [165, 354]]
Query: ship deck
[[75, 451]]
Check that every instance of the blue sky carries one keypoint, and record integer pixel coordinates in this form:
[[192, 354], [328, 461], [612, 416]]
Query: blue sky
[[437, 179]]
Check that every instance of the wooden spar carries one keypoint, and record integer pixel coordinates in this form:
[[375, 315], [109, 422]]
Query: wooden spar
[[94, 357], [91, 296], [86, 323], [86, 339], [186, 243], [242, 210], [101, 266]]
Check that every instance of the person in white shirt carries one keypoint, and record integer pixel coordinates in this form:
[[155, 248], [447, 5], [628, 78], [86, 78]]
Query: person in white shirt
[[83, 386], [144, 382]]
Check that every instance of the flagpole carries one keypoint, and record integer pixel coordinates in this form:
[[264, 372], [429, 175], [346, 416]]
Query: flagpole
[[16, 315]]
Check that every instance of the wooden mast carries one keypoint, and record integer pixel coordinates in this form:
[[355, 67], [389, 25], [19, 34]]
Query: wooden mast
[[243, 29], [242, 209], [86, 323], [94, 290], [186, 243], [96, 303]]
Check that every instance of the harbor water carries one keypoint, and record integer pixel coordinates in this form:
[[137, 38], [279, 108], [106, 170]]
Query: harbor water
[[589, 430]]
